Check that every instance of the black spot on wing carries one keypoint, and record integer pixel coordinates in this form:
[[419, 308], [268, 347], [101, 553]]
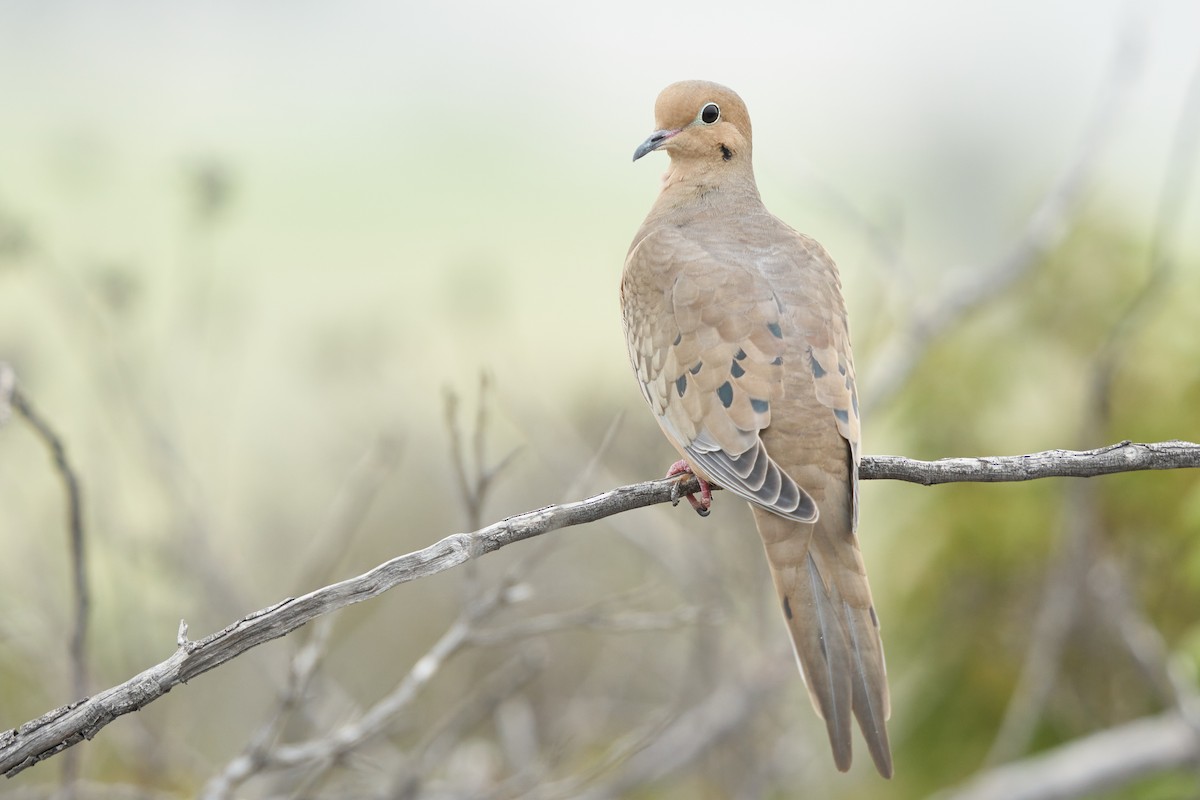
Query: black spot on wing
[[775, 330], [787, 607], [678, 339], [696, 368], [735, 369], [681, 384], [725, 393], [874, 619], [739, 355], [778, 362], [842, 414], [759, 406], [817, 370]]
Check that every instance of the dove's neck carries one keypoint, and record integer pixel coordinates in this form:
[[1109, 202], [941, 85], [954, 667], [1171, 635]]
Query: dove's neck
[[689, 184]]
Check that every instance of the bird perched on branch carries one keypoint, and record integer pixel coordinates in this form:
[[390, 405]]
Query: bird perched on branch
[[738, 334]]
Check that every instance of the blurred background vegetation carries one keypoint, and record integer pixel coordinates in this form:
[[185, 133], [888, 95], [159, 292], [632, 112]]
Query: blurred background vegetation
[[251, 256]]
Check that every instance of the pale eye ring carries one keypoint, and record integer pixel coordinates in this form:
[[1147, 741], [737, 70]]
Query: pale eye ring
[[710, 113]]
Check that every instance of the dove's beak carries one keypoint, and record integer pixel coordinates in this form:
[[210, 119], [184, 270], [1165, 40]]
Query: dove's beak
[[656, 140]]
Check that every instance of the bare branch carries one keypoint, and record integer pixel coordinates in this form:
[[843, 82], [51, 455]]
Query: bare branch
[[16, 399], [589, 619], [1102, 762], [1057, 615], [21, 404], [1046, 227], [349, 508], [327, 749], [694, 732], [252, 759], [1121, 457], [59, 729], [473, 484], [494, 688]]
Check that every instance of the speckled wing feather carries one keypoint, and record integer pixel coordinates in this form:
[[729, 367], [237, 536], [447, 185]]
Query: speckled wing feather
[[740, 342], [818, 569], [738, 335], [710, 370]]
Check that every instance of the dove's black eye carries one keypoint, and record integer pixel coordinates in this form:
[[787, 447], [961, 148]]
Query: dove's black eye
[[710, 114]]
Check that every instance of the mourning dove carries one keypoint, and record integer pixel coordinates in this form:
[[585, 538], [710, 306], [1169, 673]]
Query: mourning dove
[[738, 335]]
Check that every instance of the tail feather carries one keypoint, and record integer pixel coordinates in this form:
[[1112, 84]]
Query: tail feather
[[828, 674], [871, 710], [827, 605]]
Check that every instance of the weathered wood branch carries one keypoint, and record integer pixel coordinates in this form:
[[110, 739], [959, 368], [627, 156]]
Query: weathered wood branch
[[41, 738], [1104, 762], [1121, 457]]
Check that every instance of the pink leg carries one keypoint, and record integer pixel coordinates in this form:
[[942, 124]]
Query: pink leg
[[705, 502]]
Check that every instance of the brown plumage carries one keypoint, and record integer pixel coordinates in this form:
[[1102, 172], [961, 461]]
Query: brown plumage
[[738, 334]]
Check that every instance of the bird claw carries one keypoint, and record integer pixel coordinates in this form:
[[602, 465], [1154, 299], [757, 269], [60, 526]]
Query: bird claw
[[704, 504]]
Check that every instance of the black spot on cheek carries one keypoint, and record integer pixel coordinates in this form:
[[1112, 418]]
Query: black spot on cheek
[[726, 153], [787, 608], [725, 392], [681, 384]]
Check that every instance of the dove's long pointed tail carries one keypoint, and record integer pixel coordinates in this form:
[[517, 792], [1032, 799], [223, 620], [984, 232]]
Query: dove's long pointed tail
[[826, 603]]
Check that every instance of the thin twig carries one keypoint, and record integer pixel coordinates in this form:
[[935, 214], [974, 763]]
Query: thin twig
[[323, 752], [474, 480], [1066, 581], [327, 749], [1108, 583], [75, 543], [588, 619], [1056, 616], [1100, 763], [345, 517], [1046, 227], [254, 757], [75, 537], [1172, 200], [496, 686], [693, 733], [57, 730], [348, 509]]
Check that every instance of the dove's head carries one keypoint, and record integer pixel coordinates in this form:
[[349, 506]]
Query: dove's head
[[702, 123]]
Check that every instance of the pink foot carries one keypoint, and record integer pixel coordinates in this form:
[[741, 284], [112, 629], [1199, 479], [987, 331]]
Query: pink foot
[[702, 505]]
